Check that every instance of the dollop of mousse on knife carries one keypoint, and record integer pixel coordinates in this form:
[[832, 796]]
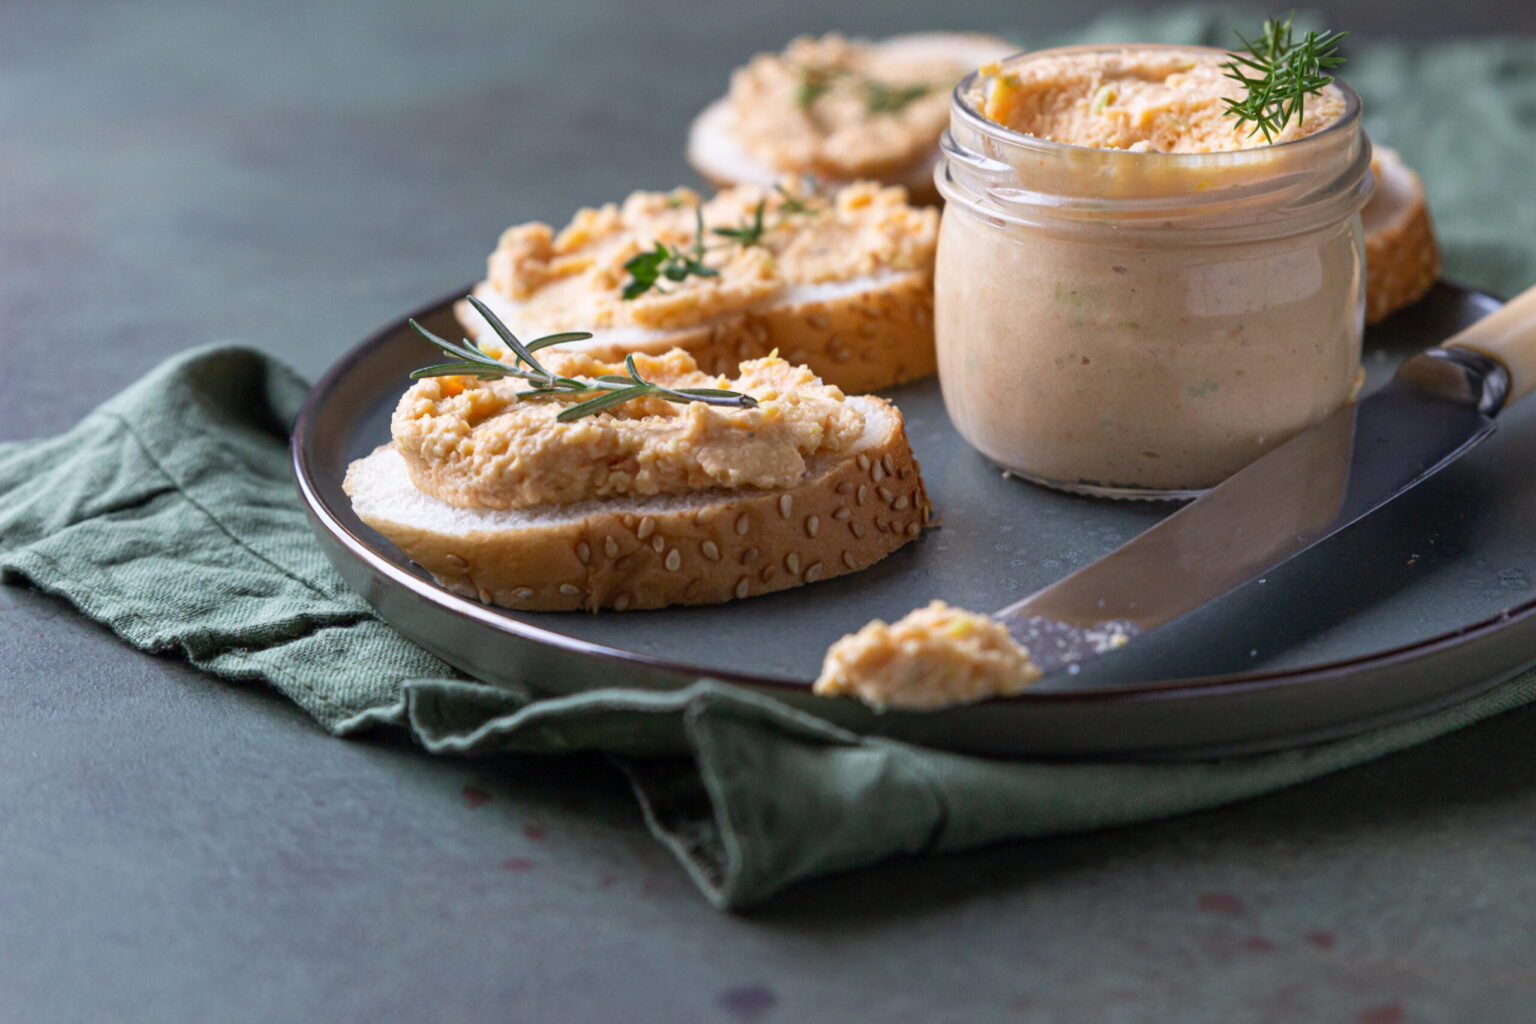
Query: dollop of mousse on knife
[[499, 445], [1142, 100], [933, 657]]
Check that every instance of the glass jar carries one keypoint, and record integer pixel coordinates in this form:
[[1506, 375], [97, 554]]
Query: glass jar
[[1143, 324]]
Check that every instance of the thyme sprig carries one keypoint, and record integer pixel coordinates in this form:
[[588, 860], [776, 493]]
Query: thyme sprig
[[671, 263], [600, 393], [1279, 73], [649, 268]]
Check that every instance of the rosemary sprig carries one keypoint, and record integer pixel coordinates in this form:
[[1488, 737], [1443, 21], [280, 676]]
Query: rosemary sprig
[[793, 204], [1279, 73], [601, 393]]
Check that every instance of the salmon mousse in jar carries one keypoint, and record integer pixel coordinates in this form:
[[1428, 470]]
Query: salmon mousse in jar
[[1138, 293]]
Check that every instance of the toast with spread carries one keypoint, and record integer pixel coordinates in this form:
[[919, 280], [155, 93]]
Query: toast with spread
[[511, 492], [841, 109], [842, 283]]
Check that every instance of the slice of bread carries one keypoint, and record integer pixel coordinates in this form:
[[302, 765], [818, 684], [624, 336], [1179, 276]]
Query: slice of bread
[[715, 152], [1401, 257], [862, 335], [851, 510], [845, 286]]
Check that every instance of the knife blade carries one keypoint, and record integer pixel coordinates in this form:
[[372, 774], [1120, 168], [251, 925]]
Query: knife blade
[[1439, 405]]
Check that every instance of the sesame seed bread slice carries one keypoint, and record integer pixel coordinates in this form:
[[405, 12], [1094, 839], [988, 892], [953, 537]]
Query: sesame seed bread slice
[[862, 335], [1401, 257], [851, 510], [720, 159]]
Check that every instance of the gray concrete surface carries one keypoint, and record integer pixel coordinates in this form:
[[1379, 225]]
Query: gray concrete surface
[[173, 848]]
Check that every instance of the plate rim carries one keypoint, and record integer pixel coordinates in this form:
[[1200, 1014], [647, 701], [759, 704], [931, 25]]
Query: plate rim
[[505, 621]]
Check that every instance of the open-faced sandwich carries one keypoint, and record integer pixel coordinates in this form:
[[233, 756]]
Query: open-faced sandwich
[[841, 109], [542, 479], [840, 283]]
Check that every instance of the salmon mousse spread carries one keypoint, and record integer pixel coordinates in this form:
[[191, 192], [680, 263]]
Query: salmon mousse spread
[[1143, 100], [491, 445], [749, 247], [933, 657], [1136, 295]]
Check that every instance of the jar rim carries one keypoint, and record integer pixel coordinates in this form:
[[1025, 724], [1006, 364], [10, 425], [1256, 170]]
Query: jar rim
[[1346, 121]]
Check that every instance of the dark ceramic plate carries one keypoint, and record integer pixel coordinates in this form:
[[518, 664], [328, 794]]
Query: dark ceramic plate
[[1425, 603]]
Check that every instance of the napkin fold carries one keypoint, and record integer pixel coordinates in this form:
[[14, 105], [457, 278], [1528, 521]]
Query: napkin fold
[[169, 514]]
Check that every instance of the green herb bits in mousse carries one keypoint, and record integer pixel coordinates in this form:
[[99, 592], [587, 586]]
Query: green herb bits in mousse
[[1150, 268]]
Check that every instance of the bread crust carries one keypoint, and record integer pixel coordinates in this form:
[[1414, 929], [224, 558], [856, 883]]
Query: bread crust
[[861, 342], [849, 513], [1402, 260]]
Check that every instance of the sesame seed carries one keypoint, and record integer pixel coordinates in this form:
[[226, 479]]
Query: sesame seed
[[786, 504], [858, 529], [743, 521], [674, 560], [457, 562], [792, 563], [900, 503], [845, 487], [848, 560], [863, 493], [658, 542], [890, 467], [812, 526], [885, 494], [647, 527], [813, 572], [768, 573], [610, 546], [522, 593], [912, 529], [741, 587], [584, 552], [484, 595], [843, 512], [749, 556], [711, 550], [877, 473], [570, 589], [864, 462]]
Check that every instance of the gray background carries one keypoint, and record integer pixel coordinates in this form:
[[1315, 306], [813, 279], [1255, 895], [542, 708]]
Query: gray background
[[173, 848]]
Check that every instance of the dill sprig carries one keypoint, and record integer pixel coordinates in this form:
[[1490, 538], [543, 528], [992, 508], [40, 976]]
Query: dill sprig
[[1279, 73], [600, 393], [885, 98], [879, 97]]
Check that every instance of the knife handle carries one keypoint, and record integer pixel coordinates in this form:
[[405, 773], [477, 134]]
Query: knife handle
[[1507, 335]]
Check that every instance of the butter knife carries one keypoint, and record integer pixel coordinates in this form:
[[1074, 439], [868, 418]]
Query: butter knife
[[1441, 403]]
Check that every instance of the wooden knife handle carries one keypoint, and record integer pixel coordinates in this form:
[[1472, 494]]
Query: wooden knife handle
[[1508, 335]]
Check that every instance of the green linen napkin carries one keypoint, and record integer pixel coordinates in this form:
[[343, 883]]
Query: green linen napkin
[[169, 515]]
